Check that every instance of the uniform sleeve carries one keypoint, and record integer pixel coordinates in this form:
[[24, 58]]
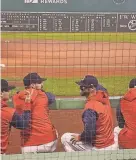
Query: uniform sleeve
[[51, 97], [21, 121], [9, 113], [89, 119], [120, 117]]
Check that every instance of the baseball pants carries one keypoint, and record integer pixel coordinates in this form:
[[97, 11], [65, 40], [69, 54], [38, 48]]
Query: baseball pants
[[81, 146], [45, 148], [116, 133]]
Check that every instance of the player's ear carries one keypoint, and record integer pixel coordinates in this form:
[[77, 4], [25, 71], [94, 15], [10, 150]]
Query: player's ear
[[38, 86], [90, 90], [1, 94], [93, 90]]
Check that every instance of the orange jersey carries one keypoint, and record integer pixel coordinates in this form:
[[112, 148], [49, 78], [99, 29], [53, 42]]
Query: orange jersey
[[127, 136], [40, 130], [104, 123], [6, 118], [102, 97]]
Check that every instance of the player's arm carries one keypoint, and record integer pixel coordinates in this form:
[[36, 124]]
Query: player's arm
[[120, 117], [51, 98], [21, 121], [89, 120]]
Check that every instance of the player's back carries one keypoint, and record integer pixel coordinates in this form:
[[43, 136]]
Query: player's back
[[40, 130], [127, 136], [104, 124], [6, 118], [128, 109]]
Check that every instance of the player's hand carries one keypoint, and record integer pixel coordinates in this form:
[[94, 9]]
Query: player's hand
[[28, 97], [75, 139]]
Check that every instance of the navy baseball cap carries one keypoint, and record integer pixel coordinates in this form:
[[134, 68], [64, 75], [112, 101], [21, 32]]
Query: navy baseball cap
[[32, 78], [88, 81], [132, 83], [5, 86]]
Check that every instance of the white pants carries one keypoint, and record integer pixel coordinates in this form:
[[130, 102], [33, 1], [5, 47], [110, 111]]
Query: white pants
[[116, 133], [81, 146], [117, 130], [49, 147]]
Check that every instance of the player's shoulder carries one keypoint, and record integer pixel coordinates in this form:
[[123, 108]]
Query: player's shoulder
[[7, 112], [129, 95]]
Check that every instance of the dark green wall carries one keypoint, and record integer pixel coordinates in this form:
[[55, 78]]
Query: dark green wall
[[69, 6], [75, 103]]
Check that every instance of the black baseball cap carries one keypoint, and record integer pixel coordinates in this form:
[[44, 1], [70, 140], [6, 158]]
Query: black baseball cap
[[88, 81], [5, 86], [132, 83], [32, 78]]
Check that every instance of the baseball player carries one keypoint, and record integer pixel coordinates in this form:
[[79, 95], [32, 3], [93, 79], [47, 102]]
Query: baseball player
[[126, 116], [97, 119], [9, 116], [40, 136]]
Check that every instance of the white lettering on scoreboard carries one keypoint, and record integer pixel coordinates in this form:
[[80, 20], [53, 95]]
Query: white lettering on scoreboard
[[30, 1], [119, 1], [46, 1]]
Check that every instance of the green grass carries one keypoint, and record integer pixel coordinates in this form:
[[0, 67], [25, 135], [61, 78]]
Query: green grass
[[116, 85], [97, 37]]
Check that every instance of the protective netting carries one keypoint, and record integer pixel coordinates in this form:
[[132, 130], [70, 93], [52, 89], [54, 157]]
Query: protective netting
[[66, 57]]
